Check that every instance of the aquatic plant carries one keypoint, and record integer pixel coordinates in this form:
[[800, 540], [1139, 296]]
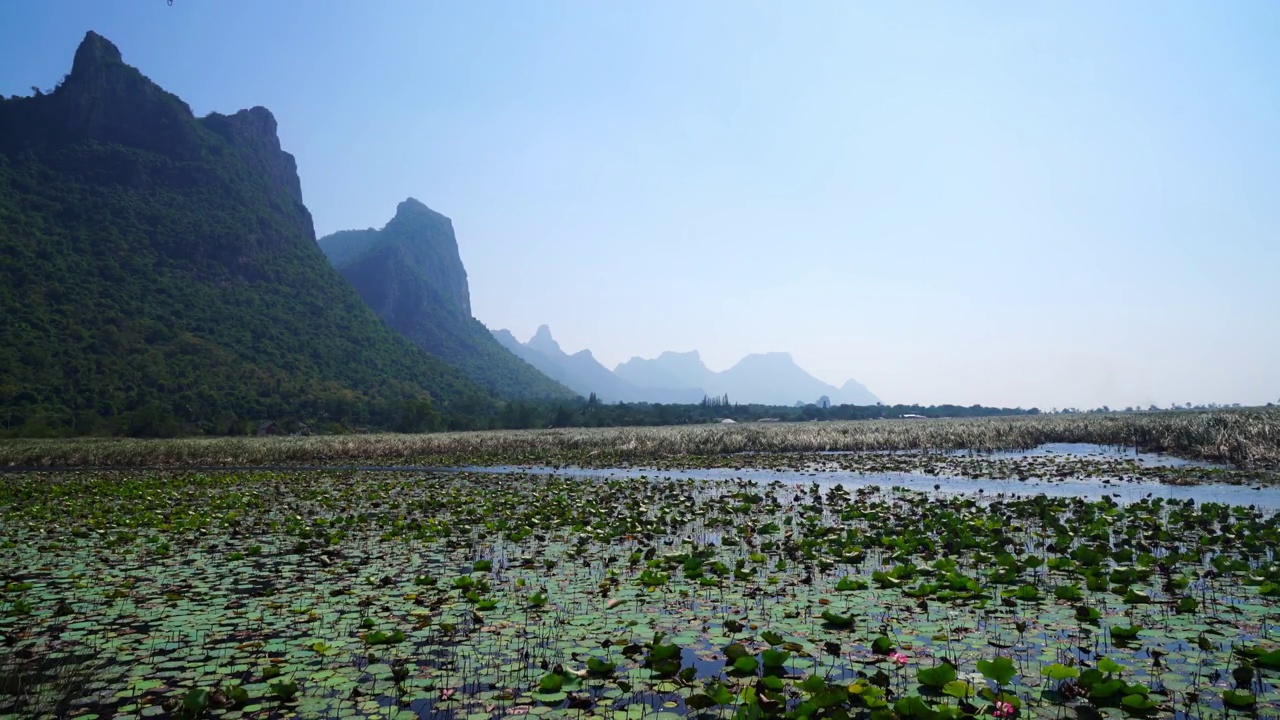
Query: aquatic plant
[[471, 594]]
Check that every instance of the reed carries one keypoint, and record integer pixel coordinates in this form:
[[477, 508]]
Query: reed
[[1245, 438]]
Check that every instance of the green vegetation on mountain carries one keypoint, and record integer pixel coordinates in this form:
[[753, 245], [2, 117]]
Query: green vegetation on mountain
[[159, 274], [411, 274]]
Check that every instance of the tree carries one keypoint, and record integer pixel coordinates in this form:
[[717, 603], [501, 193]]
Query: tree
[[417, 415], [562, 418]]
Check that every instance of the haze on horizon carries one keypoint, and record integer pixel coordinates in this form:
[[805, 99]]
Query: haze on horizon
[[1059, 205]]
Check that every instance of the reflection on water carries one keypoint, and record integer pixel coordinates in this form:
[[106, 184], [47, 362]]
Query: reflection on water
[[1090, 488], [1100, 452]]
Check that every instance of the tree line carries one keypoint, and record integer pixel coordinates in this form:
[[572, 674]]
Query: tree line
[[470, 412]]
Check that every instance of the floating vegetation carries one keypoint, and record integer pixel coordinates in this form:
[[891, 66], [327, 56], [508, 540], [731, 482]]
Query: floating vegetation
[[473, 596], [1247, 439]]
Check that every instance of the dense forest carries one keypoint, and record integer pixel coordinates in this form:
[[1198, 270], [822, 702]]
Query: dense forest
[[159, 275], [481, 412]]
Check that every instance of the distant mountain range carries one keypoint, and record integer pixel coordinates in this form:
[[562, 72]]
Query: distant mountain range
[[681, 377], [411, 274], [585, 375], [159, 274], [771, 378]]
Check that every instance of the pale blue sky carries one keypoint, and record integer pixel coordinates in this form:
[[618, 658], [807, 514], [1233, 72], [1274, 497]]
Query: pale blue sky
[[1007, 203]]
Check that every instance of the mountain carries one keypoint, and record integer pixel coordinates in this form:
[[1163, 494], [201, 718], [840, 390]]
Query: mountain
[[670, 369], [158, 270], [583, 373], [411, 274], [775, 379], [543, 342], [853, 392], [764, 378]]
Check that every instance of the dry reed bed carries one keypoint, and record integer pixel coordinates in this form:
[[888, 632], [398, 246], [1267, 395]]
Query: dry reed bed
[[1246, 438]]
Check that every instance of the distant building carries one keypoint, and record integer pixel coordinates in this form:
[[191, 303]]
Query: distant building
[[728, 421], [913, 415]]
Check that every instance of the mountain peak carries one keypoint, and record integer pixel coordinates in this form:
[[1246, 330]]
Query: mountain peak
[[417, 246], [773, 358], [543, 342], [410, 207], [106, 100], [253, 132], [426, 227], [94, 52], [260, 120], [856, 393]]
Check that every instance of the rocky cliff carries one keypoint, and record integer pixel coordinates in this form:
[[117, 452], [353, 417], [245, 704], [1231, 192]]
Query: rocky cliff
[[160, 271], [410, 272]]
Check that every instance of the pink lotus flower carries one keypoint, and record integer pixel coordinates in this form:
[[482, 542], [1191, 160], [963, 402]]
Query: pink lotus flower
[[898, 658], [1003, 710]]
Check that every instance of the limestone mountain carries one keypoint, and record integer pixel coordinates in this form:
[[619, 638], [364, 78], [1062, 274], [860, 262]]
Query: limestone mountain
[[411, 274], [670, 369], [853, 392], [764, 378], [160, 270], [582, 372]]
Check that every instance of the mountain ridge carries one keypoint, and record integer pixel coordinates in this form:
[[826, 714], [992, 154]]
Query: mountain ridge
[[770, 378], [411, 273], [584, 374], [162, 272]]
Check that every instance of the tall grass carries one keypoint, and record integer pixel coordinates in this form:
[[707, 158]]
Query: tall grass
[[1246, 438], [43, 686]]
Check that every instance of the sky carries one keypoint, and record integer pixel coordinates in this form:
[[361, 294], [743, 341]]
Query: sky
[[1017, 204]]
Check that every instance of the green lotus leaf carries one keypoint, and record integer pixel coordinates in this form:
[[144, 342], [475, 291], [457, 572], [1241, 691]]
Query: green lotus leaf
[[1058, 671], [735, 651], [913, 706], [1106, 689], [958, 689], [1138, 702], [936, 677], [1107, 665], [774, 660], [999, 669], [1125, 633], [837, 621], [1068, 592], [285, 689], [1239, 699]]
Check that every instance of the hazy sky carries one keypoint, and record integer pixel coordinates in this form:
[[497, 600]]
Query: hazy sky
[[1042, 204]]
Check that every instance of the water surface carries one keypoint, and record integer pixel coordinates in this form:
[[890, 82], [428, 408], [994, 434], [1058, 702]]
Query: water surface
[[1123, 491]]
